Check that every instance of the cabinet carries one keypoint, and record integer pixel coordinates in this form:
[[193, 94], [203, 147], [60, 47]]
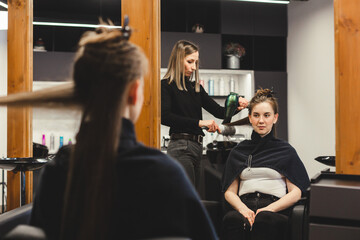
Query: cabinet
[[210, 56], [260, 28], [334, 207], [182, 15], [244, 18]]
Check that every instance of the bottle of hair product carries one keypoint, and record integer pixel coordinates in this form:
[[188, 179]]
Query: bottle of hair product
[[232, 84], [61, 141], [43, 141], [52, 142], [211, 87], [70, 142]]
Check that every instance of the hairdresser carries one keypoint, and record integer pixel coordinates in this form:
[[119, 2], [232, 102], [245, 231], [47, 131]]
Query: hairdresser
[[182, 100], [108, 185]]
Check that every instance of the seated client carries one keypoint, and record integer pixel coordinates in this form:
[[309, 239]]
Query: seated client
[[263, 178], [108, 185]]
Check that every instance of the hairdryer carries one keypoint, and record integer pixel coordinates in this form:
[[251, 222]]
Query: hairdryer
[[231, 105]]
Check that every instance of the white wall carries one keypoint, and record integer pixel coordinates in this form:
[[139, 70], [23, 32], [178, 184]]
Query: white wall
[[311, 80]]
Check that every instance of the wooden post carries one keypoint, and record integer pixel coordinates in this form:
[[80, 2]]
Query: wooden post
[[144, 18], [347, 86], [20, 74]]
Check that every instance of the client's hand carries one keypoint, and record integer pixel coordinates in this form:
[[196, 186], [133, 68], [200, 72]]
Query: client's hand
[[267, 208], [248, 214]]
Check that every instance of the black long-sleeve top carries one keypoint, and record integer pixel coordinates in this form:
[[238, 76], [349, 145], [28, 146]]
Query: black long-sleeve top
[[154, 198], [181, 110]]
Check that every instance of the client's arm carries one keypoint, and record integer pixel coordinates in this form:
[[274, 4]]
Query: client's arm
[[232, 197], [293, 195]]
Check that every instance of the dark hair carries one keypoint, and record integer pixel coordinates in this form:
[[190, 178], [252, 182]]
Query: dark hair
[[264, 95], [175, 69], [105, 65]]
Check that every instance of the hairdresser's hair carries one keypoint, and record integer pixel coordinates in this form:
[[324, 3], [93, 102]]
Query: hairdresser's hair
[[264, 95], [175, 71], [105, 65]]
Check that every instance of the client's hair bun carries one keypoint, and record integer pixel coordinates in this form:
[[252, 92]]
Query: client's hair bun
[[264, 92]]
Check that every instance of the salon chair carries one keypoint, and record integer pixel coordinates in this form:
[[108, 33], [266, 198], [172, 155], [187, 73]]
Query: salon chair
[[13, 218], [298, 221], [25, 232], [14, 225]]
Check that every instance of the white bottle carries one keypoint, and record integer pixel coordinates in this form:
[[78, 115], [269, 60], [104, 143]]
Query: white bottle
[[232, 84], [211, 87], [221, 87]]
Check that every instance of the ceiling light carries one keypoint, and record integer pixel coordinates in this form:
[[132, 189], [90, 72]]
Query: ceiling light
[[3, 5], [267, 1], [57, 24]]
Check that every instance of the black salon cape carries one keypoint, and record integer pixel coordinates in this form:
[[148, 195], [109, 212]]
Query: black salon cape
[[269, 152], [154, 196]]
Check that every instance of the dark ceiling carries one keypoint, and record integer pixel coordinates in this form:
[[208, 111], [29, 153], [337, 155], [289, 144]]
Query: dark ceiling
[[76, 11], [82, 11]]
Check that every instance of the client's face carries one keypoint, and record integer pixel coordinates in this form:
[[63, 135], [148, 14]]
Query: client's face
[[263, 118]]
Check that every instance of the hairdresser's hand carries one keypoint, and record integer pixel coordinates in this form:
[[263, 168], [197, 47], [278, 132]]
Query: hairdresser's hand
[[210, 125], [248, 214], [267, 208], [243, 103]]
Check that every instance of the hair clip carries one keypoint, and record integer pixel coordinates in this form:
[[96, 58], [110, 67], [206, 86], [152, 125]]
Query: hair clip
[[126, 30], [271, 93]]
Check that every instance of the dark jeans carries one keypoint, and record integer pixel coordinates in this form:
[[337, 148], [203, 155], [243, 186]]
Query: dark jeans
[[189, 154], [267, 225]]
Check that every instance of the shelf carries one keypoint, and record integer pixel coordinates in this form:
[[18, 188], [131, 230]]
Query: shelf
[[243, 85], [243, 81], [218, 96], [221, 96]]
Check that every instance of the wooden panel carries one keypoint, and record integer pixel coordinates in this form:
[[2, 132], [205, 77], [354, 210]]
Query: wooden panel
[[145, 21], [19, 80], [347, 86]]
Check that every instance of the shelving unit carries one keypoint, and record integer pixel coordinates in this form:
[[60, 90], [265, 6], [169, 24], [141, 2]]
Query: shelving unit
[[53, 121], [244, 85], [260, 28]]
